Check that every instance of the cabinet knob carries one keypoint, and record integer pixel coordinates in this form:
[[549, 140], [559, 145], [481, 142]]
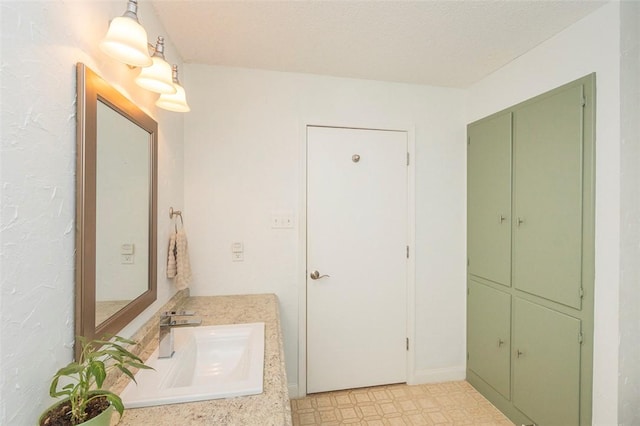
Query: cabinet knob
[[502, 218], [520, 221], [519, 353], [500, 342]]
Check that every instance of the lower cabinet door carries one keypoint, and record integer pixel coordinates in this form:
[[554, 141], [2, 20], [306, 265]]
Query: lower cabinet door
[[488, 335], [546, 364]]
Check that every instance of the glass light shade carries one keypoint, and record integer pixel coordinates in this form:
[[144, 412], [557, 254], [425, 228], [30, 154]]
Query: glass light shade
[[157, 78], [176, 102], [126, 41]]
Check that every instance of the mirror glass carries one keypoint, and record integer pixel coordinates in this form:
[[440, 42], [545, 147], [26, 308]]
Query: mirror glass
[[116, 208], [122, 212]]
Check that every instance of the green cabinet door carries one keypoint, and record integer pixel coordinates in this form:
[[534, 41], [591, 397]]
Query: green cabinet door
[[547, 223], [488, 336], [489, 199], [546, 365]]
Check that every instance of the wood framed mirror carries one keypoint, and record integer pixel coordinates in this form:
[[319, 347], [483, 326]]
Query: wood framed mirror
[[116, 208]]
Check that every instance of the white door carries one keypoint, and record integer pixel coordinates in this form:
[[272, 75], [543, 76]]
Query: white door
[[357, 235]]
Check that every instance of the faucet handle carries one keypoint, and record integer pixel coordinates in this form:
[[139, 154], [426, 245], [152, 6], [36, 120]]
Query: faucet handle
[[177, 313]]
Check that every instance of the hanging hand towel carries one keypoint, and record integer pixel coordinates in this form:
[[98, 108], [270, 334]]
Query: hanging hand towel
[[171, 261], [183, 276]]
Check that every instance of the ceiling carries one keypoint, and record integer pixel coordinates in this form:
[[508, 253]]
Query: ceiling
[[439, 42]]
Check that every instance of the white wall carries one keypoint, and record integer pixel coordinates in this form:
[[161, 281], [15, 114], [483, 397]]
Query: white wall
[[41, 43], [243, 157], [591, 45], [629, 368]]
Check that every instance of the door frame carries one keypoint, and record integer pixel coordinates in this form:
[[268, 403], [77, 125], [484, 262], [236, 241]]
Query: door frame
[[299, 389]]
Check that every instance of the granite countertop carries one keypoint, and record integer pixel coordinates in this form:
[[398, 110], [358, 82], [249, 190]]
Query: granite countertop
[[271, 408]]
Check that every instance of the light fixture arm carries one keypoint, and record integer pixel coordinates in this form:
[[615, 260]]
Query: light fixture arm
[[158, 50], [174, 73]]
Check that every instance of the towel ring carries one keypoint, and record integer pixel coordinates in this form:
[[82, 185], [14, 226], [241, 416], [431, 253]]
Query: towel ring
[[173, 213]]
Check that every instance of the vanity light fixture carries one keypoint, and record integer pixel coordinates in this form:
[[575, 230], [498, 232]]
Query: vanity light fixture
[[176, 102], [126, 39], [158, 77]]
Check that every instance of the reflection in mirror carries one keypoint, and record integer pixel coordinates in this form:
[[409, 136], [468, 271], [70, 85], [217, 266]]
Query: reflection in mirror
[[122, 212], [115, 208]]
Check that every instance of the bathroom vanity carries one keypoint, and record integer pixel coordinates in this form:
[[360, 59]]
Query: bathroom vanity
[[271, 407]]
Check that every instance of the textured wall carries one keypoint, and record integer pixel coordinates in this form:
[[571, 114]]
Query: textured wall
[[629, 368], [41, 42], [590, 45], [243, 153]]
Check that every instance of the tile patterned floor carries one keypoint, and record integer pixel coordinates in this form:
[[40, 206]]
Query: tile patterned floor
[[451, 403]]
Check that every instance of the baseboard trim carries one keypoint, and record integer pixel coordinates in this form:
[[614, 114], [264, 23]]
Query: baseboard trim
[[293, 390], [438, 375]]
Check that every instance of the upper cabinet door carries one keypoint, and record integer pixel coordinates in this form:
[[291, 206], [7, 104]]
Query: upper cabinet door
[[547, 220], [489, 199]]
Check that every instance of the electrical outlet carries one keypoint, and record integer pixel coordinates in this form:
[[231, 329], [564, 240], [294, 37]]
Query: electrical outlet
[[237, 256], [281, 220]]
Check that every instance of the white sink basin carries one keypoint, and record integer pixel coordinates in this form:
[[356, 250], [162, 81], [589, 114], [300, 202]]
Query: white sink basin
[[212, 362]]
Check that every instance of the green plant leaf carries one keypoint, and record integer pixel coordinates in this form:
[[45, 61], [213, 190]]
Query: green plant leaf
[[116, 402], [126, 371], [124, 340], [140, 366], [72, 368], [54, 387], [99, 372]]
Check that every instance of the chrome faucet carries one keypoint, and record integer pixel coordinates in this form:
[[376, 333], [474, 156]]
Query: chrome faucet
[[167, 324]]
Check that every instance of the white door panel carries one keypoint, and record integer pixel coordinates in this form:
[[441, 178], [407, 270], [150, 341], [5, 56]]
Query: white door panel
[[356, 234]]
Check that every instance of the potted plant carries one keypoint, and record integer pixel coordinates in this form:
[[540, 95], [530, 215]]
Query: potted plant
[[85, 402]]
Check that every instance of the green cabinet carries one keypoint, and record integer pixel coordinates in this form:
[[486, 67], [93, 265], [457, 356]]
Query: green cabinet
[[489, 198], [547, 197], [546, 367], [530, 257], [489, 331]]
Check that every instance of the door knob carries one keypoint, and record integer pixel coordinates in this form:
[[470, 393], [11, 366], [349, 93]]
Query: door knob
[[315, 275]]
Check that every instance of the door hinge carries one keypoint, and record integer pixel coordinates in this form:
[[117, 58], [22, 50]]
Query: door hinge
[[408, 156], [467, 356], [407, 343], [581, 293], [468, 140], [580, 337], [584, 101], [467, 261], [407, 252], [468, 291]]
